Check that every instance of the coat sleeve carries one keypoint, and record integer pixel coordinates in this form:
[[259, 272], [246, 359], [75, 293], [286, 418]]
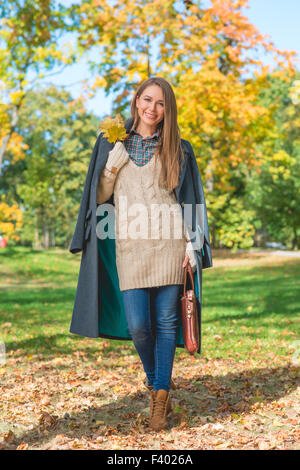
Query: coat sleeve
[[200, 199], [78, 237]]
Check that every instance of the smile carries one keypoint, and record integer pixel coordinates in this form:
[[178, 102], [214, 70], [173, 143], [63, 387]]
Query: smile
[[150, 116]]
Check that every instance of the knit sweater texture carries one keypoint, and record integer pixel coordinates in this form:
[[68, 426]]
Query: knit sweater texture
[[145, 258], [146, 261]]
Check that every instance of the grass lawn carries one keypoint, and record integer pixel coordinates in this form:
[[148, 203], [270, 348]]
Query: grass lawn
[[65, 391]]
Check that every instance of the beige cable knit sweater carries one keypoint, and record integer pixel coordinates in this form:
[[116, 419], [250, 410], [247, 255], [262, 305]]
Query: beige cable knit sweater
[[141, 261]]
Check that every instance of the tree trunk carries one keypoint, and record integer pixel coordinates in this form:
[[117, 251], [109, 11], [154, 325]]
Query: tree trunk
[[52, 236], [264, 236], [257, 238], [6, 138], [148, 58], [45, 232], [295, 243], [37, 244]]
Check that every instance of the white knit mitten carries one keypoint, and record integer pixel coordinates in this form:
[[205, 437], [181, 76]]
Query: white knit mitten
[[190, 251], [117, 157]]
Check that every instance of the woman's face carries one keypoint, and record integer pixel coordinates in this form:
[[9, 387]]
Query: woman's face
[[151, 105]]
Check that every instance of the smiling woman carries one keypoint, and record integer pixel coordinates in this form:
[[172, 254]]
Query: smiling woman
[[136, 283]]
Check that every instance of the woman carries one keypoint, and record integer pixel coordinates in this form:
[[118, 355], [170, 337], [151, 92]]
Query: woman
[[129, 287], [150, 270]]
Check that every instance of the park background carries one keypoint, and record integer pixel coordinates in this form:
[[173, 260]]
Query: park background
[[234, 66]]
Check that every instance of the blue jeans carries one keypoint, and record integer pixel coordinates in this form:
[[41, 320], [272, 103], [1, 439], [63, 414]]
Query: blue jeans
[[152, 320]]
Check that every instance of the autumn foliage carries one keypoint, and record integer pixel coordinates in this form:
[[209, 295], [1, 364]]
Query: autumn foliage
[[213, 57]]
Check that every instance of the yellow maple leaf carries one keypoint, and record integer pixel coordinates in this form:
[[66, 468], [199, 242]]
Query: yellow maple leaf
[[113, 128]]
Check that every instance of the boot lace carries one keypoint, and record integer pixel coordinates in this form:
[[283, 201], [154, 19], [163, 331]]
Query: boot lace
[[159, 407]]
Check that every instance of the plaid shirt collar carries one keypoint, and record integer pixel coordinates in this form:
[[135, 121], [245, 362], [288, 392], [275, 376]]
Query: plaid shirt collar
[[156, 134], [141, 148]]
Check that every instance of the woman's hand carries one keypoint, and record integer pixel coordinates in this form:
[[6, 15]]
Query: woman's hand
[[189, 257], [117, 157], [186, 260]]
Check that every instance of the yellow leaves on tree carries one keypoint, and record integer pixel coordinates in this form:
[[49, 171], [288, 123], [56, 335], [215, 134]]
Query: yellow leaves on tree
[[16, 96], [295, 92], [16, 147], [281, 165], [38, 23], [10, 220], [99, 83], [205, 53]]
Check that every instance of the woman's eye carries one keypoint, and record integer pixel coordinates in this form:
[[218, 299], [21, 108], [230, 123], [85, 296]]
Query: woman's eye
[[148, 99]]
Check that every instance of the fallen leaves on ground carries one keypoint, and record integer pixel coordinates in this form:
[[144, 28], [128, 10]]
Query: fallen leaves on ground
[[75, 402]]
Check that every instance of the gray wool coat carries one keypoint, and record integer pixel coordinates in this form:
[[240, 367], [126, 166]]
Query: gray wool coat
[[98, 307]]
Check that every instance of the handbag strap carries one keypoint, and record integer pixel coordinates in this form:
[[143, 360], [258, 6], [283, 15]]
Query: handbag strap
[[188, 269]]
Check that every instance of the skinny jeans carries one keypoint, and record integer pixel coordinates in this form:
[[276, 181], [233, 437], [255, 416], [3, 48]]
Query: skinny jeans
[[152, 320]]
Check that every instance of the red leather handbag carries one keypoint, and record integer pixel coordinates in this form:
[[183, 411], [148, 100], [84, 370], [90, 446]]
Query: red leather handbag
[[189, 316]]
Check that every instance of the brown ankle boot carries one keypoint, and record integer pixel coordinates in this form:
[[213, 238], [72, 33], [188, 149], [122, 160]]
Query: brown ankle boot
[[158, 409], [150, 388]]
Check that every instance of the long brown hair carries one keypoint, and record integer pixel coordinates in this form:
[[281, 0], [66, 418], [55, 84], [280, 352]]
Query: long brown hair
[[169, 148]]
